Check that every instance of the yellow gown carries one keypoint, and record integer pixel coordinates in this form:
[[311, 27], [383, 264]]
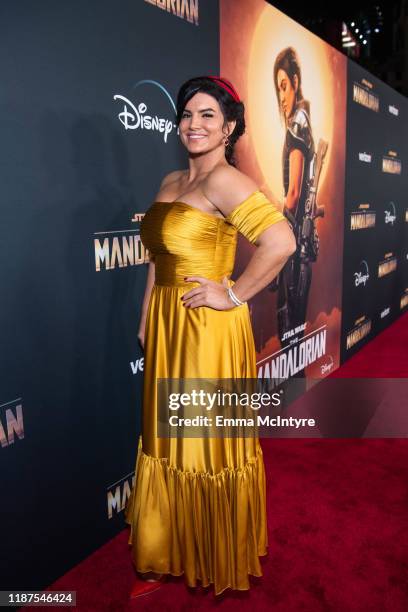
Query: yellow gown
[[198, 506]]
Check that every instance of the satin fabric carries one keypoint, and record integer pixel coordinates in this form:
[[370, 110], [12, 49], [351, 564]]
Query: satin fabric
[[198, 506]]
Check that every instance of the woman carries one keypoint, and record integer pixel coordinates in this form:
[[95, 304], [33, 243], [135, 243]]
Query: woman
[[293, 282], [198, 504]]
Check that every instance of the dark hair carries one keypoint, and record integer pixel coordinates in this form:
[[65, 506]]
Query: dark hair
[[232, 110], [288, 61]]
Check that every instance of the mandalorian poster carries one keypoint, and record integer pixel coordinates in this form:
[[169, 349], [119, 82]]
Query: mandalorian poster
[[293, 86]]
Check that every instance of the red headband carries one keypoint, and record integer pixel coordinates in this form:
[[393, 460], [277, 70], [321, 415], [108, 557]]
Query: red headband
[[227, 85]]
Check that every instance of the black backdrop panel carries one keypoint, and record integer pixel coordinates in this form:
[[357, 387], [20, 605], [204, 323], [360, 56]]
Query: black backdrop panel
[[78, 167], [374, 272]]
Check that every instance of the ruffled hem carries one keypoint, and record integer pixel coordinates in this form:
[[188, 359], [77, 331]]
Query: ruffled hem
[[209, 527]]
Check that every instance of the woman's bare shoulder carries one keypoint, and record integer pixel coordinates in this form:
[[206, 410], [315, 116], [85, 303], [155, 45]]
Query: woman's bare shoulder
[[226, 187], [169, 179]]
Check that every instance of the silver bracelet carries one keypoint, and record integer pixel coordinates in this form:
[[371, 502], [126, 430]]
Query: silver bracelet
[[234, 298]]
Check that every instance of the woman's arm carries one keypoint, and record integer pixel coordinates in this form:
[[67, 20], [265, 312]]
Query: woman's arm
[[227, 188], [296, 165], [145, 304], [274, 246]]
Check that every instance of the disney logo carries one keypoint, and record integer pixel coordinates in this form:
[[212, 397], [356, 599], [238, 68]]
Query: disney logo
[[360, 278], [389, 217], [133, 118], [326, 367]]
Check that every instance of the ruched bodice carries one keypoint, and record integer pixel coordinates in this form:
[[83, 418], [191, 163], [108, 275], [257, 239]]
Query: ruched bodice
[[184, 240], [198, 504]]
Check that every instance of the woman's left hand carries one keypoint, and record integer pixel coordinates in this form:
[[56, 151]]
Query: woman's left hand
[[209, 293]]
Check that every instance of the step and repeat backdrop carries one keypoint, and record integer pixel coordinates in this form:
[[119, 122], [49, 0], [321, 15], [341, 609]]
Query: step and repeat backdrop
[[87, 111], [375, 276]]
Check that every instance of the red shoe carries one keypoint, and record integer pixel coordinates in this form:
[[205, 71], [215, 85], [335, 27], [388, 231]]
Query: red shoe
[[144, 587]]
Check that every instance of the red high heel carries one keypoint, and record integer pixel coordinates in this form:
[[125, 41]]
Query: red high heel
[[144, 587]]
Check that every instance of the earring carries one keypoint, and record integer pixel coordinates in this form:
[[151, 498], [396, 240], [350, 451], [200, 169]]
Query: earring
[[226, 141]]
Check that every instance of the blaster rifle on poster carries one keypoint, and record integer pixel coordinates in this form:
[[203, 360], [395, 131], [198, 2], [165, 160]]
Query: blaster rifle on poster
[[307, 237]]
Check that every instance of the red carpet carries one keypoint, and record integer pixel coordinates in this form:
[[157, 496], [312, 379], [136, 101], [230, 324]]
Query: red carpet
[[338, 524]]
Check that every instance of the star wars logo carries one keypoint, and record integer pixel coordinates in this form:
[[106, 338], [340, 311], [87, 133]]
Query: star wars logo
[[293, 332]]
